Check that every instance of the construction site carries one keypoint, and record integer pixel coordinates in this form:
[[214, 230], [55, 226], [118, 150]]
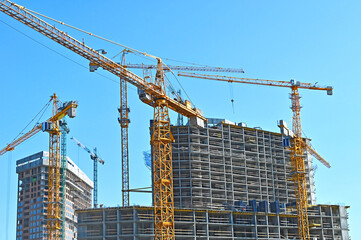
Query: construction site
[[211, 178]]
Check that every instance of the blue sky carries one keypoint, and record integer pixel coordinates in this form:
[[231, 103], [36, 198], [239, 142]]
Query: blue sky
[[310, 41]]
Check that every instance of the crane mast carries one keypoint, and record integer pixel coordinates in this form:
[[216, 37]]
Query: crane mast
[[124, 124], [298, 146], [162, 164], [64, 134], [54, 201], [298, 167]]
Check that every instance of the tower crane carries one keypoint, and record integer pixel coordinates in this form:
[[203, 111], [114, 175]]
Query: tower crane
[[124, 110], [298, 144], [52, 127], [93, 156], [152, 93]]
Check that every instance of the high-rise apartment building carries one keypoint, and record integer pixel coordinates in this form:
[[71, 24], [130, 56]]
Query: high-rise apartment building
[[33, 191]]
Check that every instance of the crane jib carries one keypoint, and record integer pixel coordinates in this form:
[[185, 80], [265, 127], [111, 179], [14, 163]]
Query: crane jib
[[39, 25]]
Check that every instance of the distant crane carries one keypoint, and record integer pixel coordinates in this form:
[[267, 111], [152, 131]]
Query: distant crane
[[298, 145], [93, 156]]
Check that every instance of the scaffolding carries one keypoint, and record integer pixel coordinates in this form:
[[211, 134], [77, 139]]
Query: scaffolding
[[224, 163]]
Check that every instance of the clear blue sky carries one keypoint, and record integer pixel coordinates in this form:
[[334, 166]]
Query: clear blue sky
[[310, 41]]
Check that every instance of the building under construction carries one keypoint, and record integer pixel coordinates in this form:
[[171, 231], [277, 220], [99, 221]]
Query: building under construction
[[230, 182], [33, 197], [225, 169], [130, 223]]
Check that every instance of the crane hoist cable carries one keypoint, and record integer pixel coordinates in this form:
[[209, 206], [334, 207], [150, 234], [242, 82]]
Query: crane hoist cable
[[231, 95]]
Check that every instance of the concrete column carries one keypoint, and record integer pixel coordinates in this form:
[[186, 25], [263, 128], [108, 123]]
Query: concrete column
[[103, 222]]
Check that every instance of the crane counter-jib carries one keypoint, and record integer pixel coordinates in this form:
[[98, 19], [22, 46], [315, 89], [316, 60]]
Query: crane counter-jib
[[95, 58]]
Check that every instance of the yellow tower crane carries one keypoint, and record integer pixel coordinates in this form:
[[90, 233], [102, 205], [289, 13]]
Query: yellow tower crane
[[151, 93], [124, 110], [298, 145], [52, 127]]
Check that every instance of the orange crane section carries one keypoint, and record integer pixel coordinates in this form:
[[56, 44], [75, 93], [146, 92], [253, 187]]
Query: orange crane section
[[298, 144], [153, 94], [52, 127]]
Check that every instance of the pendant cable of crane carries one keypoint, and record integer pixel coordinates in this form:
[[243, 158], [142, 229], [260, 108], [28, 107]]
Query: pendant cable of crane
[[42, 111], [105, 39], [168, 82], [167, 79], [80, 30]]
